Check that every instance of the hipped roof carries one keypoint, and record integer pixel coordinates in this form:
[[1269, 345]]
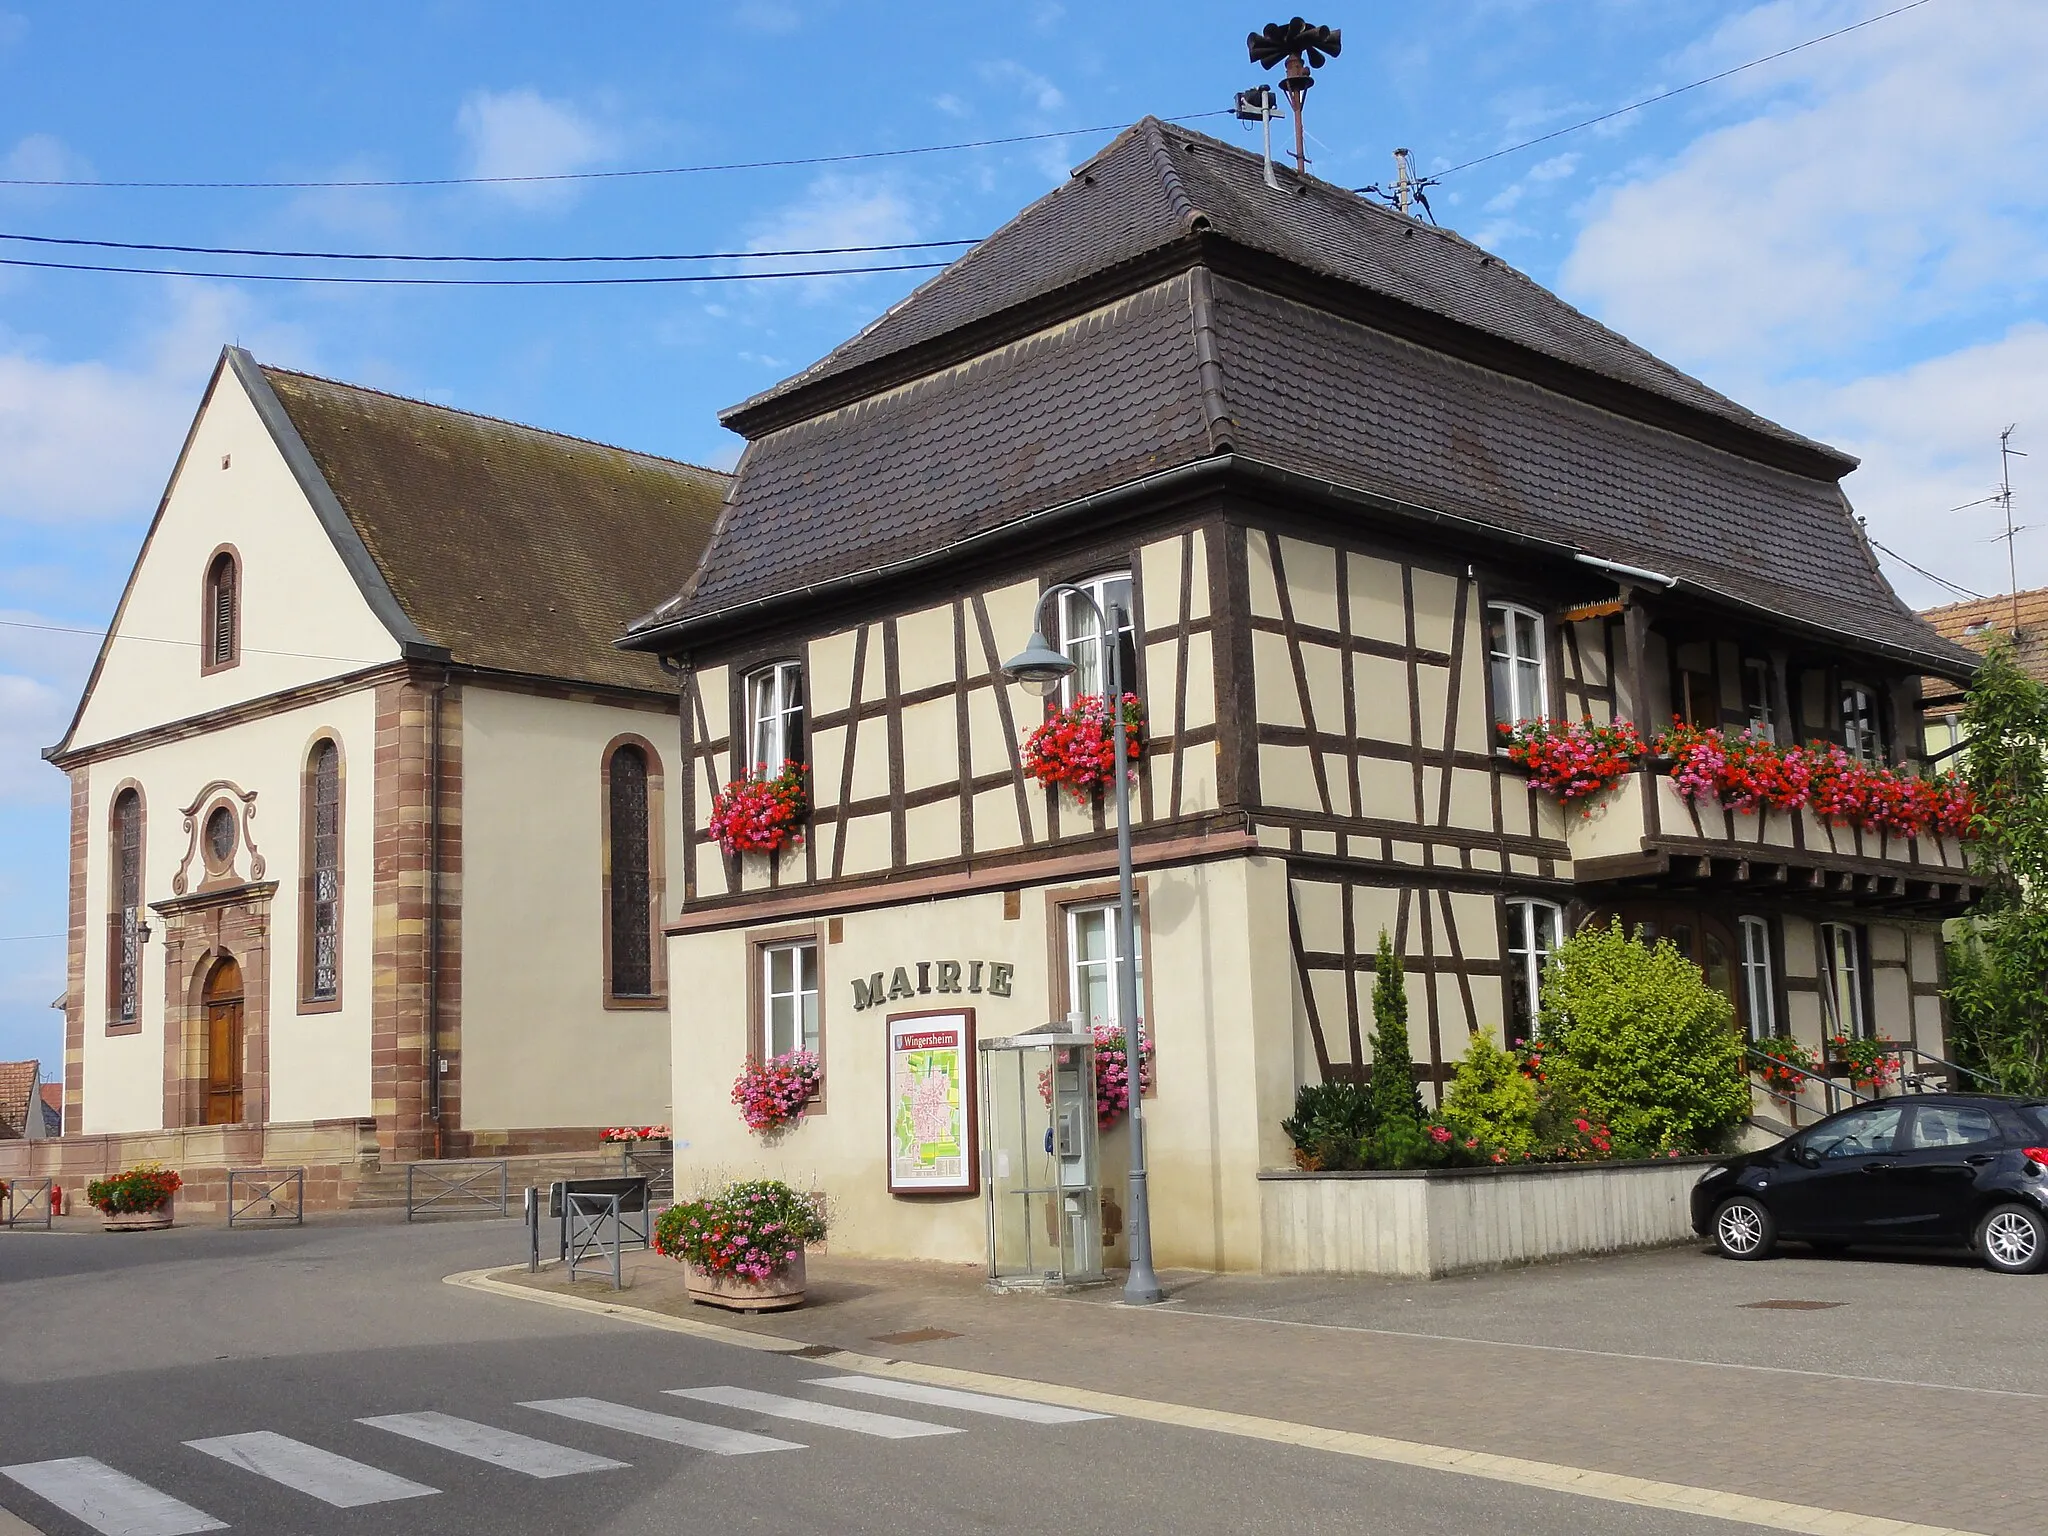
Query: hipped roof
[[1164, 306]]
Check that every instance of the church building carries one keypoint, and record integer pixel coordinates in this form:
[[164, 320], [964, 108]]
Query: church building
[[372, 822]]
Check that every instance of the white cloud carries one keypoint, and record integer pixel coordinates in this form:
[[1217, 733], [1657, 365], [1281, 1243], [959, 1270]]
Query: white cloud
[[836, 210], [33, 714], [522, 133], [950, 104], [1928, 437], [1893, 178], [1038, 92], [769, 16], [13, 28], [1556, 168]]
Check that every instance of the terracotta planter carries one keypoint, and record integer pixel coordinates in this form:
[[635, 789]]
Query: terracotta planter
[[777, 1294], [140, 1221]]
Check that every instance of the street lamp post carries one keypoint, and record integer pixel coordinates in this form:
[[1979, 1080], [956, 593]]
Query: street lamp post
[[1040, 669]]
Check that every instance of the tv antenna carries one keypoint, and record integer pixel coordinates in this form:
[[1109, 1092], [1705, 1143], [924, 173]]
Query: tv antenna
[[1260, 105], [1409, 191], [2003, 497], [1305, 48]]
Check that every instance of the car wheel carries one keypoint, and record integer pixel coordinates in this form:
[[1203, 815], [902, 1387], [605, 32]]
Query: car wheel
[[2013, 1240], [1743, 1229]]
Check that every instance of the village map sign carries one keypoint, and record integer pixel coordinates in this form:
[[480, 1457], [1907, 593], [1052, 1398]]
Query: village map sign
[[931, 1104]]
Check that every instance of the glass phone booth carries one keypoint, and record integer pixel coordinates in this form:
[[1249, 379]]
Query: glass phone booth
[[1038, 1159]]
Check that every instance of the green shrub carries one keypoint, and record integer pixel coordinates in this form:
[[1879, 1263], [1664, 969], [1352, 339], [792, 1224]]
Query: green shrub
[[1636, 1036], [1394, 1094], [1330, 1124], [1492, 1099], [1403, 1143]]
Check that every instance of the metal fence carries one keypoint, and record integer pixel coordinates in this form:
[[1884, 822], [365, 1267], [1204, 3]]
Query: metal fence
[[656, 1166], [458, 1187], [266, 1197], [29, 1203], [593, 1231]]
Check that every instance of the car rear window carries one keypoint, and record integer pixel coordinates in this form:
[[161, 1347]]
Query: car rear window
[[2036, 1117]]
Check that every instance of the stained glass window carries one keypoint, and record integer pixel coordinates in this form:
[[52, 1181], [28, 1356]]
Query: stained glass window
[[632, 938]]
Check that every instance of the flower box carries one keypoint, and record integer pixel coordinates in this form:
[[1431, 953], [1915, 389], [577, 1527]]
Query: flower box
[[778, 1293]]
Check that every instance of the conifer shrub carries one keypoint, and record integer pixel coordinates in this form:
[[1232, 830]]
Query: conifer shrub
[[1634, 1033], [1330, 1125], [1492, 1099], [1394, 1094]]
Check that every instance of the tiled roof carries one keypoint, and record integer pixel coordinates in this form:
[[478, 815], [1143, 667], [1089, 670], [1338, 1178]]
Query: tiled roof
[[1156, 184], [53, 1101], [516, 549], [1103, 399], [18, 1082], [1977, 622]]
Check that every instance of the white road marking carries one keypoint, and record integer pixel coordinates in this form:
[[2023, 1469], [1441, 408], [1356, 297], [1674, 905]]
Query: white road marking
[[950, 1397], [714, 1438], [325, 1476], [859, 1420], [499, 1447], [111, 1502]]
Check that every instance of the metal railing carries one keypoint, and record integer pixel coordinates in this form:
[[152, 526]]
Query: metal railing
[[458, 1187], [587, 1217], [249, 1188], [1830, 1089], [24, 1198], [1916, 1082], [636, 1206], [657, 1167]]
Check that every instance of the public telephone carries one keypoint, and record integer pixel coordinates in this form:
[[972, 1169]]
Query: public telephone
[[1039, 1132]]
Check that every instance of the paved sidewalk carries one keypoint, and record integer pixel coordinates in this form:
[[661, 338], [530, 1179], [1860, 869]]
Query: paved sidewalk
[[1870, 1440]]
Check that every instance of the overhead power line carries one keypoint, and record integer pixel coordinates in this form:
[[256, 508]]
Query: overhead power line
[[660, 170], [1939, 581], [251, 650], [1648, 101], [239, 250], [472, 282]]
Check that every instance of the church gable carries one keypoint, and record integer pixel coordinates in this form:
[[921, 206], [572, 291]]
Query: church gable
[[242, 590]]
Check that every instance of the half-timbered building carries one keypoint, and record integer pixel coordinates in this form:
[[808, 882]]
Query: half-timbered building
[[1367, 493], [370, 829]]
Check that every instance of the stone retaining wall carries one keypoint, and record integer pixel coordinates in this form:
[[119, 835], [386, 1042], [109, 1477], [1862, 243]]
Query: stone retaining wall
[[1442, 1222], [336, 1155]]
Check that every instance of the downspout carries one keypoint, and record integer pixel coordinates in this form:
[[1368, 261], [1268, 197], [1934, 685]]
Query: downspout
[[434, 1063]]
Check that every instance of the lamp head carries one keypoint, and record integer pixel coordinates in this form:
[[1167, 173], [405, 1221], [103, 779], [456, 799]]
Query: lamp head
[[1038, 668]]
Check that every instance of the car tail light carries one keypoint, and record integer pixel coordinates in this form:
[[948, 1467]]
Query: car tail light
[[2038, 1156]]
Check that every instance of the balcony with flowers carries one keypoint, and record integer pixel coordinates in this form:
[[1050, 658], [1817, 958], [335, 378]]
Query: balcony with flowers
[[1701, 806]]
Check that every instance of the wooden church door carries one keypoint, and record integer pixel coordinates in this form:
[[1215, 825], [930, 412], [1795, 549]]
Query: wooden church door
[[224, 1044]]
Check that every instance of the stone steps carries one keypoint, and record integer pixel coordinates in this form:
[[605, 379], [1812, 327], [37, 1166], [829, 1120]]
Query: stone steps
[[385, 1188]]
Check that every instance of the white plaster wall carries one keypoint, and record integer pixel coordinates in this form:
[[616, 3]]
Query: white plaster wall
[[1220, 988], [303, 617], [319, 1062], [539, 1047]]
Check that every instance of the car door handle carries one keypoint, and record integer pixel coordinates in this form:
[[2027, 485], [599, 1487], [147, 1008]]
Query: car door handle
[[1979, 1160]]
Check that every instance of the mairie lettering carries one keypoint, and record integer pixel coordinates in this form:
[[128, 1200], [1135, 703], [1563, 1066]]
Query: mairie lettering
[[924, 978]]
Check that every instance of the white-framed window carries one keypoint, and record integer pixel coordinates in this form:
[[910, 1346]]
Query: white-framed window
[[1759, 996], [1514, 647], [1859, 724], [1756, 697], [789, 998], [1081, 635], [1841, 980], [1534, 928], [1092, 955], [775, 718]]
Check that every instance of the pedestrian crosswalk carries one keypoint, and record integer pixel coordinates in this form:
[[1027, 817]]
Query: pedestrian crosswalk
[[112, 1503]]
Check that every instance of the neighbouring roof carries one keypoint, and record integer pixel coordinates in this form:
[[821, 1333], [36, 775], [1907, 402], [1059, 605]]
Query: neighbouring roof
[[1979, 621], [516, 549], [19, 1081], [955, 437], [53, 1101]]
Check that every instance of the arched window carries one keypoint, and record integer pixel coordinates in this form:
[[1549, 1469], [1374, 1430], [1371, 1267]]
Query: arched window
[[320, 887], [632, 780], [221, 623], [124, 917]]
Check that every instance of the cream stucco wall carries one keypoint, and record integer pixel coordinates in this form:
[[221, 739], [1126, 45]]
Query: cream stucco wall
[[302, 619], [1219, 983], [539, 1046], [319, 1062]]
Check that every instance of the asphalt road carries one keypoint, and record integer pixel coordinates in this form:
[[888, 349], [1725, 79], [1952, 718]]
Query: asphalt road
[[272, 1347]]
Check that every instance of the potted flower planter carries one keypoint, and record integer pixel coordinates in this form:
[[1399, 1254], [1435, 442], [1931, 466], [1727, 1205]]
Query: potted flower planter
[[135, 1199], [742, 1246], [778, 1293], [140, 1221]]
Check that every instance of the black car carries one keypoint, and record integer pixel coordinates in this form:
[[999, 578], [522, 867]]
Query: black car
[[1936, 1170]]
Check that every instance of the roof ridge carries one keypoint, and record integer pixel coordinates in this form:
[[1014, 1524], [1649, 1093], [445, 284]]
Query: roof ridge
[[501, 421], [1154, 130]]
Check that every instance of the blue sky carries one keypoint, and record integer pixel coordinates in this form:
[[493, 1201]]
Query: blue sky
[[1850, 239]]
